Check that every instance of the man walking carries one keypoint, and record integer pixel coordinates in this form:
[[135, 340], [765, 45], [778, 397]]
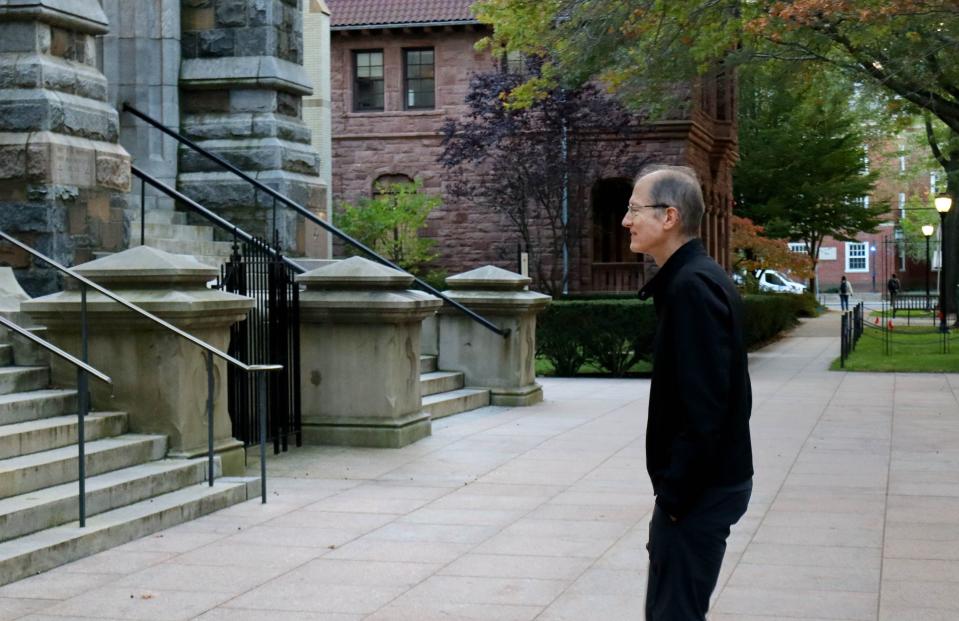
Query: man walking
[[892, 286], [845, 290], [698, 451]]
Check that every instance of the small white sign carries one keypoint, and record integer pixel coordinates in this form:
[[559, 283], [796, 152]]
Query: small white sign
[[524, 264], [827, 253]]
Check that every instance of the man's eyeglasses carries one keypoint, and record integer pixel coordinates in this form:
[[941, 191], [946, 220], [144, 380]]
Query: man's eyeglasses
[[634, 209]]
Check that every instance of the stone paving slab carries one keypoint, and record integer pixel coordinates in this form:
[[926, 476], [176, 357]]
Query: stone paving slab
[[542, 513]]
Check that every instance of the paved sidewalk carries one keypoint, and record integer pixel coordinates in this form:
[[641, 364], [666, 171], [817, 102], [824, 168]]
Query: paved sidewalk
[[541, 513]]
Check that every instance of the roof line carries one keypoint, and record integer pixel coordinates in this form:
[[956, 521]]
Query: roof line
[[453, 22]]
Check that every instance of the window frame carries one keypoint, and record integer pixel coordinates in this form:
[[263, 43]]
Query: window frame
[[356, 79], [865, 257], [406, 78]]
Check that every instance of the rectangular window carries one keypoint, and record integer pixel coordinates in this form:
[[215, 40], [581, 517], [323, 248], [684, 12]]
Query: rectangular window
[[902, 205], [865, 202], [514, 62], [799, 247], [857, 257], [368, 81], [418, 79], [933, 179], [902, 158]]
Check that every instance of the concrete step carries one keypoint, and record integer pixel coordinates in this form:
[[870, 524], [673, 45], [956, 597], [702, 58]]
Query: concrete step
[[50, 433], [156, 216], [57, 505], [194, 248], [182, 232], [455, 401], [440, 381], [23, 406], [26, 473], [427, 364], [22, 379], [47, 549], [6, 354]]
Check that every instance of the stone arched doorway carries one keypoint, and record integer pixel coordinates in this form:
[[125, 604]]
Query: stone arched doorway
[[614, 266]]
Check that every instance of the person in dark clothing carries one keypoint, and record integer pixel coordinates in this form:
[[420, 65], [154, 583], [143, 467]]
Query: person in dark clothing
[[698, 449], [893, 286], [845, 289]]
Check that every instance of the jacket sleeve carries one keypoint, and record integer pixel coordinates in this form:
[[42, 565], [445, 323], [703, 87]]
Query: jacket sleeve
[[702, 331]]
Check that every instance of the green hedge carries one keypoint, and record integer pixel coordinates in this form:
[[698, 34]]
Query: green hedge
[[615, 334]]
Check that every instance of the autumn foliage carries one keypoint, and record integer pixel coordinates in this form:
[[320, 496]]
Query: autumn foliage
[[753, 252]]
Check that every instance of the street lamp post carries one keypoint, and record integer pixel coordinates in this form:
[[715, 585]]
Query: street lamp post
[[927, 230], [943, 204]]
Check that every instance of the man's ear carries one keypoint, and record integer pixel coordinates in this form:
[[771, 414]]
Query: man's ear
[[671, 219]]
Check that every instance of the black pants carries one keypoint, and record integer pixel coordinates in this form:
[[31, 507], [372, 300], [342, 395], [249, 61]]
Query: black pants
[[685, 556], [843, 302]]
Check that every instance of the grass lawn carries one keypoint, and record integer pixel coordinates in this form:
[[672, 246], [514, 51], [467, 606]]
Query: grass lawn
[[543, 367], [912, 349], [912, 313]]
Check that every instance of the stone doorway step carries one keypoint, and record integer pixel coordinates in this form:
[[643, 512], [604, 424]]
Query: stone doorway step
[[168, 230], [132, 489], [443, 392]]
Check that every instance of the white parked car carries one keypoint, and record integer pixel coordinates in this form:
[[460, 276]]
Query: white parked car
[[777, 282]]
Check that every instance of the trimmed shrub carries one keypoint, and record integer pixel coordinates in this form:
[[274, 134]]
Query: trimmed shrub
[[612, 334], [616, 333]]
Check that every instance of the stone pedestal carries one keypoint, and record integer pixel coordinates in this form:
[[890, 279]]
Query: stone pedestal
[[242, 83], [504, 365], [159, 378], [360, 355], [60, 165]]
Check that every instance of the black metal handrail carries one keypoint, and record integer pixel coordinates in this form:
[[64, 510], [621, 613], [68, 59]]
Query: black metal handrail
[[306, 214], [236, 231], [211, 351]]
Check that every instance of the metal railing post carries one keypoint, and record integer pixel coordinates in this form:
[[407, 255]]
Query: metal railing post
[[842, 340], [209, 415], [143, 212], [83, 406], [261, 389]]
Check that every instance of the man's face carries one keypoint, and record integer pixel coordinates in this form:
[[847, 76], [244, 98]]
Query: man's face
[[645, 223]]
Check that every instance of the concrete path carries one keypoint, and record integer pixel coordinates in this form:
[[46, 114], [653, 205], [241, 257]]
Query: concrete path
[[541, 513]]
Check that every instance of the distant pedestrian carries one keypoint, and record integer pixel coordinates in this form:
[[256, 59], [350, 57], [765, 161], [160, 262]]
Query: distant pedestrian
[[845, 290], [892, 286], [698, 450]]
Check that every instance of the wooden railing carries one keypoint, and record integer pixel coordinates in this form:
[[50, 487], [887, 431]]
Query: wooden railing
[[617, 276]]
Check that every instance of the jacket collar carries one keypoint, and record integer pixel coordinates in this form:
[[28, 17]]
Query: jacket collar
[[683, 255]]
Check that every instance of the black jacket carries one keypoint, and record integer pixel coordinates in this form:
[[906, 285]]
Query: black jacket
[[697, 435]]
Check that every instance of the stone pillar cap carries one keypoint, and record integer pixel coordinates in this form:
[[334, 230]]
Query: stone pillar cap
[[83, 15], [488, 278], [355, 273], [146, 266]]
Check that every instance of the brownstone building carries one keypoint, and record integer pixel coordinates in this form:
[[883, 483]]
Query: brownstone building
[[400, 68]]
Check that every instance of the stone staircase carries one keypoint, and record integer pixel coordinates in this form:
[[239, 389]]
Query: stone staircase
[[168, 230], [443, 392], [132, 489]]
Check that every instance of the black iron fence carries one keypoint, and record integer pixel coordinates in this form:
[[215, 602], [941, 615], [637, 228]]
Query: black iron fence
[[912, 302], [850, 332], [269, 335]]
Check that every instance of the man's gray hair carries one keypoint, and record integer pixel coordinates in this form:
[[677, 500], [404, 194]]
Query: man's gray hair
[[678, 187]]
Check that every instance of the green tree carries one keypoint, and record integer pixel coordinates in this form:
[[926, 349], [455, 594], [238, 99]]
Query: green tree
[[906, 52], [802, 173], [390, 223]]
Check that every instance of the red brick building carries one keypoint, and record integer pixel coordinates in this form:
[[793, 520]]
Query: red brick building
[[869, 261], [401, 67]]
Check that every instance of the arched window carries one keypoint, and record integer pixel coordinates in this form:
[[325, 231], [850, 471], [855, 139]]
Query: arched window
[[382, 184]]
